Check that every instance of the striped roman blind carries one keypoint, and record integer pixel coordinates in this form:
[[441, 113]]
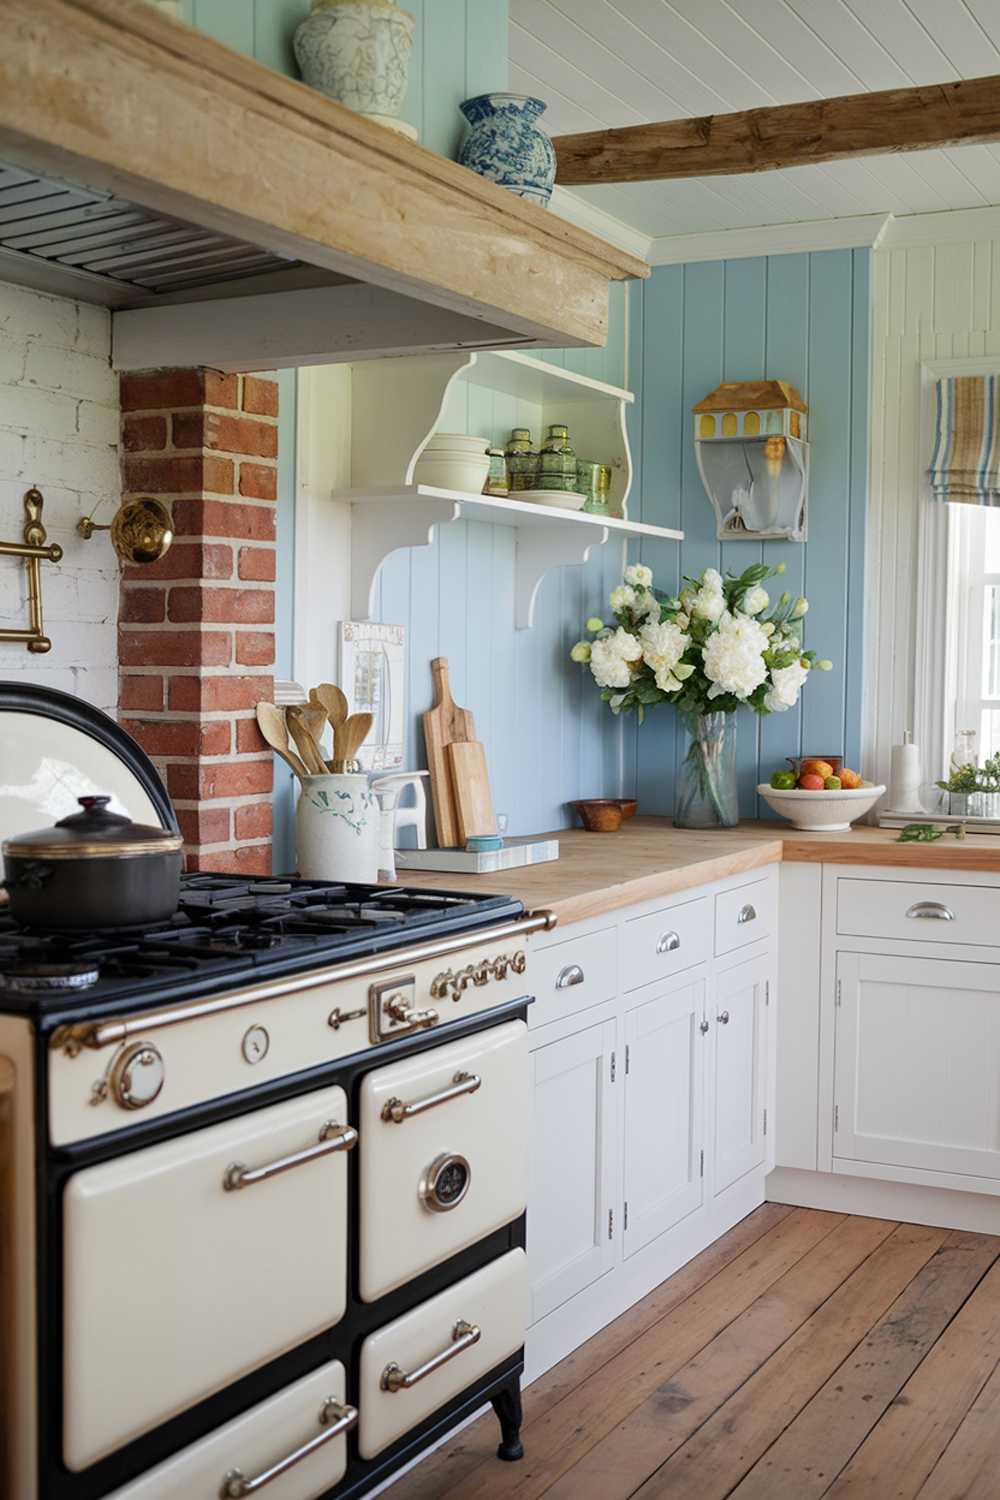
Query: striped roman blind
[[965, 467]]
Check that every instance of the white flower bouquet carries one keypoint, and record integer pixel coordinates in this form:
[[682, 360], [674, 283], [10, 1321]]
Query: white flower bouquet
[[715, 646]]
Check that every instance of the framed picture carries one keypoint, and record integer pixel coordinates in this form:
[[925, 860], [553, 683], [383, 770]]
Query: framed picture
[[373, 675]]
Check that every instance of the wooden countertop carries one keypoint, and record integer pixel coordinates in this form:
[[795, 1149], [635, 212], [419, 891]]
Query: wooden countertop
[[601, 872]]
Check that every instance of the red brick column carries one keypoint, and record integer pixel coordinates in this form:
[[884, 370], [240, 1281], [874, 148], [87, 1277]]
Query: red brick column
[[196, 629]]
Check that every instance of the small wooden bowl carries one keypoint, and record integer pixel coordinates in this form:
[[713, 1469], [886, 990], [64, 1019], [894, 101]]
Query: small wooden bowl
[[628, 806], [600, 814]]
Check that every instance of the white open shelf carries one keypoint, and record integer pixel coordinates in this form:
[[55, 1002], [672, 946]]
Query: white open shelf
[[547, 537], [396, 406]]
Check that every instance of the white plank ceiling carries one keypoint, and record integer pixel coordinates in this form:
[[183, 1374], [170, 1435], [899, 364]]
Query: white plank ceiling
[[602, 63]]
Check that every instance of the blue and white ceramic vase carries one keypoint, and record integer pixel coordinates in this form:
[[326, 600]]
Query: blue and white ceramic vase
[[358, 52], [505, 143]]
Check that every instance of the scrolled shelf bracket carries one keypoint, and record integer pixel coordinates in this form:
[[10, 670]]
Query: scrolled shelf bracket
[[34, 549]]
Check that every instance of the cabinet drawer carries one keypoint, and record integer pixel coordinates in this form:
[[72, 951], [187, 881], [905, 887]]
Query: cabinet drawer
[[918, 913], [260, 1439], [664, 942], [744, 915], [573, 975], [491, 1303]]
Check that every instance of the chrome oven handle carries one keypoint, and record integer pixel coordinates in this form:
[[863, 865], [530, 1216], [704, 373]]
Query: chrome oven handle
[[935, 910], [332, 1137], [463, 1336], [746, 914], [334, 1418], [394, 1111], [572, 974]]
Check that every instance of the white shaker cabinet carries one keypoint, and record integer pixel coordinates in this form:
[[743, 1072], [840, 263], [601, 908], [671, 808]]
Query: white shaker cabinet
[[917, 1064], [664, 1156], [647, 1115], [739, 1020], [574, 1150]]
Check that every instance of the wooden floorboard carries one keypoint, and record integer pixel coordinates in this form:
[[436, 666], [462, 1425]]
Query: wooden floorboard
[[804, 1355]]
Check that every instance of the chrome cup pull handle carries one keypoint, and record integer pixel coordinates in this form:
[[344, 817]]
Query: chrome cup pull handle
[[669, 942], [935, 910], [746, 914], [572, 974], [463, 1336], [334, 1418], [394, 1111], [332, 1137]]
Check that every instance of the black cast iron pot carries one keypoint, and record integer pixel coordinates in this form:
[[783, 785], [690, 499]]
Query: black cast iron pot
[[94, 869]]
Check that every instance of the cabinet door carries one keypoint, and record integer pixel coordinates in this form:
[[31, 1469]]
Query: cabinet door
[[918, 1063], [738, 1019], [574, 1149], [664, 1112]]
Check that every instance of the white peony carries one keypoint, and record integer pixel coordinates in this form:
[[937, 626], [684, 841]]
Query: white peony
[[581, 651], [650, 607], [755, 600], [786, 684], [639, 575], [623, 597], [734, 656], [610, 656], [662, 648], [709, 602]]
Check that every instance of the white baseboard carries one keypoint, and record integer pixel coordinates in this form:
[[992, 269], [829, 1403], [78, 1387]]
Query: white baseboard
[[940, 1207]]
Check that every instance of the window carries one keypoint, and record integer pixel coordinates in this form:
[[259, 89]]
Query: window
[[975, 625]]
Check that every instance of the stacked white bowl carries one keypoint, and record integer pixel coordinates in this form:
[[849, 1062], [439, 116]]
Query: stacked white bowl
[[453, 461]]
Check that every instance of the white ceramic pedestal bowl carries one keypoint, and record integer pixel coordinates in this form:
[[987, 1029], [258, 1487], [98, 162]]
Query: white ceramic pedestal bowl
[[822, 812]]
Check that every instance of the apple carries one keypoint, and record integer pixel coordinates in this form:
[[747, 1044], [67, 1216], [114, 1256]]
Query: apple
[[832, 783], [850, 780], [811, 782]]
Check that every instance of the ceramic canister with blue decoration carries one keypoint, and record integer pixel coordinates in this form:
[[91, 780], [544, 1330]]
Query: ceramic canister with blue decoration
[[505, 143]]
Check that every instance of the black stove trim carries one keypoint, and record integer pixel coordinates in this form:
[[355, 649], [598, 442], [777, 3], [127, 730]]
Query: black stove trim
[[49, 703], [343, 1341]]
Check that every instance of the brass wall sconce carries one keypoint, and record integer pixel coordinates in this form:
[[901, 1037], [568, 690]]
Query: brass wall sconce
[[141, 531], [35, 550]]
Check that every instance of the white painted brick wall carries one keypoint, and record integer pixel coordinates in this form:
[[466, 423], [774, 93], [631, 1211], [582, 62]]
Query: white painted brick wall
[[59, 430]]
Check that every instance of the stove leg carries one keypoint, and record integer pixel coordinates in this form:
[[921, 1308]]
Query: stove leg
[[507, 1405]]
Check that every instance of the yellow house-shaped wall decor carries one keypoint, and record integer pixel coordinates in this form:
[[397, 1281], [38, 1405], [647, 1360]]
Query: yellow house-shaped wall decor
[[751, 442]]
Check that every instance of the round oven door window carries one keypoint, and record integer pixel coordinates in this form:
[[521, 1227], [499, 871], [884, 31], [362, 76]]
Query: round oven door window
[[445, 1183]]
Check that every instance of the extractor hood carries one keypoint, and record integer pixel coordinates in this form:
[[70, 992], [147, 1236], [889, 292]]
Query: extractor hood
[[233, 217]]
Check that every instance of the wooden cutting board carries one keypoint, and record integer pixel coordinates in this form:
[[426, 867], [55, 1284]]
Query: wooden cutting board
[[470, 781], [444, 724]]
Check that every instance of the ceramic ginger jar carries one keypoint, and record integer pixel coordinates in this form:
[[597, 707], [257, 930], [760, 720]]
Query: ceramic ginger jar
[[358, 52], [505, 144]]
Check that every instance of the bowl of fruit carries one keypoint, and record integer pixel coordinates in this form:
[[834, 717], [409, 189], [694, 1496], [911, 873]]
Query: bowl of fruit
[[815, 796]]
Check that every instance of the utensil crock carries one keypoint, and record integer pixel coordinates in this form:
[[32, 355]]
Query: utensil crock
[[338, 822]]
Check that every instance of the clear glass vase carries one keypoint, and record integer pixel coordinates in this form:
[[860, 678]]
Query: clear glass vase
[[706, 795]]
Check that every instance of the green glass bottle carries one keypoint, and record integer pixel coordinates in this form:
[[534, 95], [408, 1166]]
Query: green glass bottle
[[522, 461], [557, 461]]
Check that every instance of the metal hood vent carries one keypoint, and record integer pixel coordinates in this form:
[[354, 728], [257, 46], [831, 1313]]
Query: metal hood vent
[[96, 238]]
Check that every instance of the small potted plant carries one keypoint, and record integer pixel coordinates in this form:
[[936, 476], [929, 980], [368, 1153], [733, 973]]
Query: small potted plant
[[718, 644], [974, 791]]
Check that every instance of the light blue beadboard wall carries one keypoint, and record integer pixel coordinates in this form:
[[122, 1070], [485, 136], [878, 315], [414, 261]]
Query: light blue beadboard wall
[[801, 318]]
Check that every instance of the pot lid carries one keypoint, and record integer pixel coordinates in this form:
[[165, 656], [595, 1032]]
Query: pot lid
[[93, 833], [56, 748]]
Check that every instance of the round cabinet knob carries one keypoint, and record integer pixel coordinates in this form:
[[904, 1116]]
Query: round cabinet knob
[[445, 1183], [723, 1018], [138, 1076]]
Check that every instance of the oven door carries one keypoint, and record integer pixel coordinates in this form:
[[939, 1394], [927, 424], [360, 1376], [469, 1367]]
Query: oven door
[[444, 1153], [189, 1263]]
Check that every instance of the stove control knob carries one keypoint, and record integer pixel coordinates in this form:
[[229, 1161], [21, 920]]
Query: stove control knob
[[137, 1076]]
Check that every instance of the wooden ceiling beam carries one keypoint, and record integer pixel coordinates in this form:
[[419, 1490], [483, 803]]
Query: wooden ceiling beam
[[785, 135]]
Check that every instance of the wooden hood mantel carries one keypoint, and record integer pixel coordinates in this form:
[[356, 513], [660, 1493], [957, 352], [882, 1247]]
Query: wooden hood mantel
[[250, 189]]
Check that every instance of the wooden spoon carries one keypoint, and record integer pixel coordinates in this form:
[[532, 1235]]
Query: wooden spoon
[[305, 744], [332, 700], [348, 739], [314, 718], [271, 722]]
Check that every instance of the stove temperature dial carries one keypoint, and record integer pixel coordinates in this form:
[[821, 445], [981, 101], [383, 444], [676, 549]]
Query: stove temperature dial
[[137, 1076]]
